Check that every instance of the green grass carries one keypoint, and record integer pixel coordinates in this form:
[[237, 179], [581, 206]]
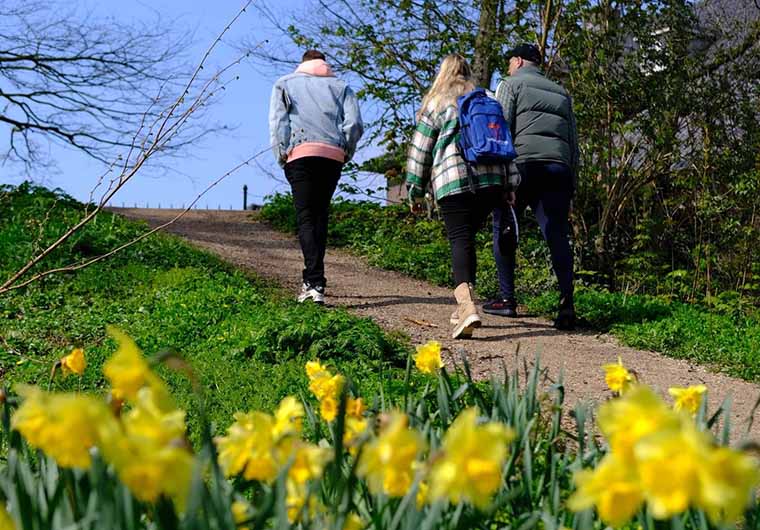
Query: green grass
[[246, 342], [391, 238]]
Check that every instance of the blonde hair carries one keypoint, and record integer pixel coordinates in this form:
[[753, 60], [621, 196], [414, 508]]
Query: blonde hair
[[454, 79]]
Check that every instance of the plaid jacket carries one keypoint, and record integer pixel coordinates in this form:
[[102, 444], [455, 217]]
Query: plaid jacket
[[433, 156]]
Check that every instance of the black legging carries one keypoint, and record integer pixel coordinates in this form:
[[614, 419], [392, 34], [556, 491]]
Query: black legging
[[313, 180], [463, 215]]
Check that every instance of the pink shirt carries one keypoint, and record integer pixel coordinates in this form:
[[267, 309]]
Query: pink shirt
[[320, 68], [317, 149]]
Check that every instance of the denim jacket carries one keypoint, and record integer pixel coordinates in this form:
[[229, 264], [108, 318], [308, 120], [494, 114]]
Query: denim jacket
[[308, 107]]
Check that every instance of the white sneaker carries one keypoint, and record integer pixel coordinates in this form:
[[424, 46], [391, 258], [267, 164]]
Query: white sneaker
[[314, 293]]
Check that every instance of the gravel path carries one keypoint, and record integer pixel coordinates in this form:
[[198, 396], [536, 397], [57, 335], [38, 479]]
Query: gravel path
[[422, 310]]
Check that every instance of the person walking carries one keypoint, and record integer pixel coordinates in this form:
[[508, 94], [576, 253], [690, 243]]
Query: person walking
[[315, 125], [540, 115], [465, 196]]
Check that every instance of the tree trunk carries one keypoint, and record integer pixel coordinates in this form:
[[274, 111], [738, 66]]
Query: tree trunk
[[546, 24], [485, 51]]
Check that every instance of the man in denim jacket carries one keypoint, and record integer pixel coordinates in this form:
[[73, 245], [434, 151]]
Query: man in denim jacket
[[314, 126]]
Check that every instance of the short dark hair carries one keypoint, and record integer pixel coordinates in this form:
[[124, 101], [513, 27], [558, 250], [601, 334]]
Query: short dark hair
[[310, 55]]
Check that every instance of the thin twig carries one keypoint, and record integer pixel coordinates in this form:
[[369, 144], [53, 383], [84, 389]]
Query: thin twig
[[78, 266], [423, 323], [163, 135]]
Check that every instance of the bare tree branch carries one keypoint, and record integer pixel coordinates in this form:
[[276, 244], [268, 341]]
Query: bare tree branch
[[166, 127], [77, 266], [79, 81]]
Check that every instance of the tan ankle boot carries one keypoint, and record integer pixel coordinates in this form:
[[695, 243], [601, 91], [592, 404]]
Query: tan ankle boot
[[468, 318], [454, 320]]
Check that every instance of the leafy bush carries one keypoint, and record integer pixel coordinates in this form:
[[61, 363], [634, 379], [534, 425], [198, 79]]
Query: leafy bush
[[604, 310]]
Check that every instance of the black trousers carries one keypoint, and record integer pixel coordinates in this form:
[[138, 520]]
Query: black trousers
[[313, 180], [464, 214], [547, 188]]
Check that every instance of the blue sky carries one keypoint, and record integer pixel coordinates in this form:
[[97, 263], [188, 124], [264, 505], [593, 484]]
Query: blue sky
[[244, 106]]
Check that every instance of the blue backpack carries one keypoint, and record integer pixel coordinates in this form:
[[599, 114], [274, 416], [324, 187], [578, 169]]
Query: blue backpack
[[484, 136]]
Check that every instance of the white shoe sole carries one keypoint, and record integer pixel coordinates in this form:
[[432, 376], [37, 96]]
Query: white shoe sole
[[464, 329], [313, 295]]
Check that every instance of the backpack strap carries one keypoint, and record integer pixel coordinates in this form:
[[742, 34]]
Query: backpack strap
[[470, 176]]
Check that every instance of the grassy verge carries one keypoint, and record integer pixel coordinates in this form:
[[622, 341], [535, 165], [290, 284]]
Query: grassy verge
[[442, 452], [391, 238], [246, 342]]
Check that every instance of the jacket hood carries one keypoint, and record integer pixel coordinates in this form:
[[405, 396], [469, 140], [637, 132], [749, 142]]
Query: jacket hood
[[316, 67]]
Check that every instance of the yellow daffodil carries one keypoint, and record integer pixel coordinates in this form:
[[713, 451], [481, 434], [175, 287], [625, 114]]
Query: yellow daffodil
[[422, 494], [149, 450], [660, 457], [668, 465], [313, 368], [308, 462], [612, 487], [288, 418], [688, 399], [628, 419], [147, 423], [64, 426], [248, 447], [355, 423], [296, 501], [617, 377], [428, 357], [470, 466], [353, 428], [355, 408], [328, 408], [387, 461], [74, 363], [353, 522], [327, 388], [6, 522], [128, 371], [326, 385], [727, 480], [241, 512], [152, 471]]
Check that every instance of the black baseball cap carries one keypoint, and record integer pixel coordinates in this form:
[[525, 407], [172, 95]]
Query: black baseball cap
[[529, 52]]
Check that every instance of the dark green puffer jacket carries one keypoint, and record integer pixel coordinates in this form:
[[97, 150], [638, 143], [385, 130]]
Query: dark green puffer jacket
[[540, 114]]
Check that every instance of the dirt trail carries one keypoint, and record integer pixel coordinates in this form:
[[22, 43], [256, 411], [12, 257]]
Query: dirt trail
[[398, 302]]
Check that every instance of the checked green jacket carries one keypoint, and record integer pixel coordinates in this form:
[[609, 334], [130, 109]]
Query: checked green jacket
[[433, 156]]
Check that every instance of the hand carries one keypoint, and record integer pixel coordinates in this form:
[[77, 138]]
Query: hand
[[416, 207], [510, 198]]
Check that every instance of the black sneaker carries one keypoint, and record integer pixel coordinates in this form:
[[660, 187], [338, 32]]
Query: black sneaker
[[565, 320], [505, 307]]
